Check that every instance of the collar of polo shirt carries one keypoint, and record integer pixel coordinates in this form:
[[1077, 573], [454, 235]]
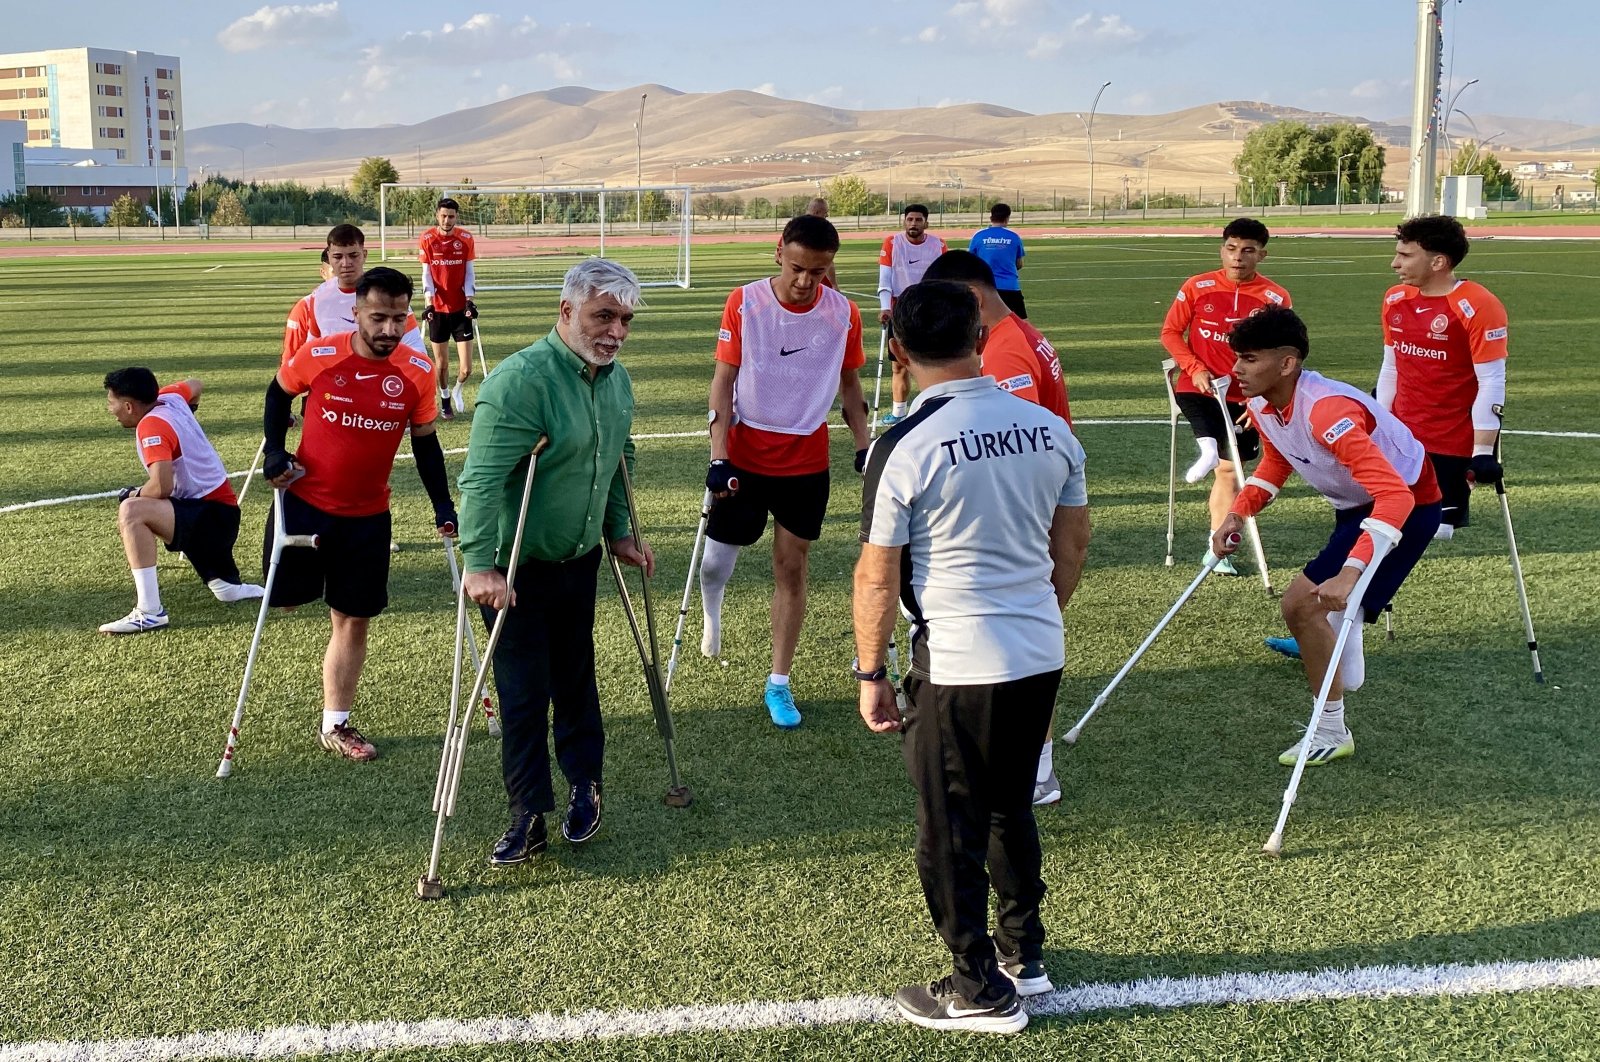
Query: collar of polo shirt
[[952, 387], [577, 362]]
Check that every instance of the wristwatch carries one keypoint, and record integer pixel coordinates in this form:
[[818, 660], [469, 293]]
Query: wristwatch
[[867, 676]]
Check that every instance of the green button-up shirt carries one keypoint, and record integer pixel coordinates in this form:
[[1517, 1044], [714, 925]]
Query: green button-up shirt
[[546, 389]]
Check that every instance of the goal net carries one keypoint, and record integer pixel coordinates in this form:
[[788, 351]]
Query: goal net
[[528, 237]]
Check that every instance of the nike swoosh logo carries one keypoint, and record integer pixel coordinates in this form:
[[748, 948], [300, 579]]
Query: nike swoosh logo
[[784, 352], [1302, 460], [368, 376], [1422, 309], [348, 320], [912, 261]]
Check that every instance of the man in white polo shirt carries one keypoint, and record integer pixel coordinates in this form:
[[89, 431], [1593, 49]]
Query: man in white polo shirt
[[976, 513]]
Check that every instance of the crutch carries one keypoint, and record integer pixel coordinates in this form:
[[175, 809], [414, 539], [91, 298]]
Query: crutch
[[1516, 570], [678, 795], [458, 723], [281, 540], [255, 464], [471, 634], [1219, 387], [1384, 539], [1169, 369], [477, 341], [1212, 560], [877, 388], [688, 587]]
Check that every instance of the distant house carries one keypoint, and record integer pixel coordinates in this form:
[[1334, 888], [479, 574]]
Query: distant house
[[1530, 169], [1561, 166]]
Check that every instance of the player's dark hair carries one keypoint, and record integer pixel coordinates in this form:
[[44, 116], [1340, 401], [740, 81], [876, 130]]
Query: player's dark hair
[[1246, 229], [1269, 329], [915, 208], [135, 382], [1436, 234], [964, 267], [346, 235], [384, 281], [324, 256], [999, 214], [447, 204], [937, 321], [812, 233]]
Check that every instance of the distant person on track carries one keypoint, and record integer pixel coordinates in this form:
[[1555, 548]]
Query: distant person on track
[[447, 251], [1001, 250], [902, 260], [817, 208]]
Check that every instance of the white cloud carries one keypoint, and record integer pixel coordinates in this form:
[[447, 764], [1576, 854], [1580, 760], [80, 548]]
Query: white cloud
[[828, 97], [766, 88], [954, 101], [504, 92], [1103, 31], [1372, 89], [930, 35], [1138, 101], [287, 24]]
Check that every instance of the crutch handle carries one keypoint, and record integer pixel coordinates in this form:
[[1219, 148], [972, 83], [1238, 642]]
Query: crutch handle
[[302, 541]]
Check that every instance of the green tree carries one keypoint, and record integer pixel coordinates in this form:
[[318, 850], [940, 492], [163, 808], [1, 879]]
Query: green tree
[[229, 210], [31, 207], [1305, 163], [1498, 183], [127, 213], [758, 207], [847, 195], [372, 172]]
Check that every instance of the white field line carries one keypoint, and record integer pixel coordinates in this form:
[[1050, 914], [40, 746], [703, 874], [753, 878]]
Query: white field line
[[299, 1041], [43, 503]]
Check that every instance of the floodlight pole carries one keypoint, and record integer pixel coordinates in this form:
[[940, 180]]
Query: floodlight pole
[[1088, 136], [888, 198], [1425, 108], [638, 162], [1444, 122], [1338, 182]]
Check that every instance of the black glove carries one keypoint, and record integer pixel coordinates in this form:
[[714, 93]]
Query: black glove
[[861, 461], [427, 312], [127, 492], [275, 463], [472, 310], [1486, 470], [446, 520], [722, 478]]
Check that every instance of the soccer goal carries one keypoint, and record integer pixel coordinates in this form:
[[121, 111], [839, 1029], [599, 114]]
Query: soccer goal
[[528, 237]]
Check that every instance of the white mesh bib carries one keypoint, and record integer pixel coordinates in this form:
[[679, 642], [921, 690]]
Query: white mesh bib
[[790, 362], [197, 470]]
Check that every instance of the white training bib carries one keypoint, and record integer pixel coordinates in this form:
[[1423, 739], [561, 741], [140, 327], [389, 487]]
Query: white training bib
[[790, 365], [908, 261], [197, 470]]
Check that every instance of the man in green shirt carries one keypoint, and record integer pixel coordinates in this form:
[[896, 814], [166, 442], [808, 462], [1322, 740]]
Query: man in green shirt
[[568, 388]]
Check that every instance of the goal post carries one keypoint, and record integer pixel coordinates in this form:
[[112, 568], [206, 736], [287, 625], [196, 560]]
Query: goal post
[[529, 236]]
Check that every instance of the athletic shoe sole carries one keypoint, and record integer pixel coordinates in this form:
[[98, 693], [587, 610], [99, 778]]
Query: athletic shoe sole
[[1319, 755], [980, 1021]]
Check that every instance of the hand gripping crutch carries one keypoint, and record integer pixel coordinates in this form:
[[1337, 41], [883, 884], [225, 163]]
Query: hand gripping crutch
[[458, 723], [281, 540], [1169, 369], [688, 587], [1516, 570], [471, 634], [1219, 387], [1212, 560], [1384, 539], [678, 795], [250, 475], [877, 388]]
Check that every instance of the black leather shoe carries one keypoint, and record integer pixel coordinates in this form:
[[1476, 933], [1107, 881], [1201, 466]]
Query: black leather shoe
[[582, 820], [524, 839]]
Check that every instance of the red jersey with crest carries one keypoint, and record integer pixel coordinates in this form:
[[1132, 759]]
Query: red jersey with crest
[[357, 411], [1205, 310], [445, 256], [1436, 341]]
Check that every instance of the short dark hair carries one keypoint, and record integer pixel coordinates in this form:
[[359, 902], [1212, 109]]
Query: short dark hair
[[1246, 229], [324, 256], [812, 233], [135, 382], [915, 208], [964, 267], [1268, 329], [999, 214], [447, 204], [1436, 234], [346, 235], [936, 321], [385, 281]]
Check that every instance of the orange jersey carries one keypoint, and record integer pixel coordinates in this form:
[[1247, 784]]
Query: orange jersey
[[447, 258], [1436, 341], [160, 439], [1022, 361], [1202, 314], [328, 311], [356, 413], [775, 453]]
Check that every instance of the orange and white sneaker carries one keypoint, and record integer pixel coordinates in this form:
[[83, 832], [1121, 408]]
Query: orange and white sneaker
[[348, 742]]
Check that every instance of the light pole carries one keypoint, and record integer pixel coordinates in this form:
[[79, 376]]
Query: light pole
[[888, 199], [1444, 128], [1148, 184], [638, 162], [240, 150], [1088, 136], [200, 204], [541, 189], [1338, 182]]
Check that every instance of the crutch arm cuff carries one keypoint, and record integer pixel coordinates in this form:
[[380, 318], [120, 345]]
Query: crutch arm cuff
[[1385, 533]]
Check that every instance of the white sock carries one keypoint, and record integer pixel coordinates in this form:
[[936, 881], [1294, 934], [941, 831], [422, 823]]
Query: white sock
[[1332, 718], [777, 679], [331, 719], [1203, 464], [716, 568], [1047, 763], [1353, 661], [223, 590], [1445, 533], [900, 408], [149, 594]]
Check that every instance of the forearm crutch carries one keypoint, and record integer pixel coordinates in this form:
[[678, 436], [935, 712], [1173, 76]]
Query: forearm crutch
[[1212, 560], [1384, 539], [477, 342], [1516, 571], [254, 464], [1219, 388], [471, 634], [1169, 371], [678, 795], [458, 723], [281, 540], [688, 587], [877, 387]]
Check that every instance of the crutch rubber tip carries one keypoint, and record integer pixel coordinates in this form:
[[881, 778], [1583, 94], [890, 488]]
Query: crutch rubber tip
[[1169, 562], [224, 768], [494, 727], [678, 796], [429, 888], [1273, 847], [1071, 736]]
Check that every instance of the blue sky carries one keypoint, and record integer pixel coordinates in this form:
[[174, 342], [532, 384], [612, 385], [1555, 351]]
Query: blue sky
[[360, 62]]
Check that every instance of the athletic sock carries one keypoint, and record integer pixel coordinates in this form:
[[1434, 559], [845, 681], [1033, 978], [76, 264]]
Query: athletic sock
[[776, 679], [149, 594], [331, 719], [1203, 464], [900, 408], [716, 568], [1353, 661], [1332, 718], [1047, 763], [1445, 533]]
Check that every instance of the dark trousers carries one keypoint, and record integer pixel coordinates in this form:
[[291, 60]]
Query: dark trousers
[[972, 752], [545, 655]]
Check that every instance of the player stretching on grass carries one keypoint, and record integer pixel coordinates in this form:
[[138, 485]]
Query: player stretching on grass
[[186, 502], [788, 345], [446, 252], [905, 256], [1195, 333], [365, 389], [1360, 458]]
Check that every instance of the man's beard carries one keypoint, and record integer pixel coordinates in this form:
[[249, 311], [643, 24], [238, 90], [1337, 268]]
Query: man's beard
[[584, 348], [382, 346]]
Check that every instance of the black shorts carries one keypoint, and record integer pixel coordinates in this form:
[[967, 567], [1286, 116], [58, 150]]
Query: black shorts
[[1395, 566], [1012, 297], [797, 503], [443, 327], [349, 569], [1451, 472], [205, 531], [1205, 420]]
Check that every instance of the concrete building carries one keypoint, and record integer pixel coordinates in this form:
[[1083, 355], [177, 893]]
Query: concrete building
[[13, 171]]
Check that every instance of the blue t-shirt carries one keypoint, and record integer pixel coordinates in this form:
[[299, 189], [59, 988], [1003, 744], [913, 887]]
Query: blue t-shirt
[[1002, 250]]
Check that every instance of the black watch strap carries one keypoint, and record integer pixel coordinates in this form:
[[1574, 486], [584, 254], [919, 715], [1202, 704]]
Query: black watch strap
[[867, 676]]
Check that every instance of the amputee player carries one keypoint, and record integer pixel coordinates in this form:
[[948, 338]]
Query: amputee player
[[975, 511], [788, 345], [365, 389], [1195, 333], [185, 501], [330, 308], [1001, 250], [446, 252], [817, 208], [1444, 360], [569, 388], [1366, 463], [1021, 360], [902, 260]]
